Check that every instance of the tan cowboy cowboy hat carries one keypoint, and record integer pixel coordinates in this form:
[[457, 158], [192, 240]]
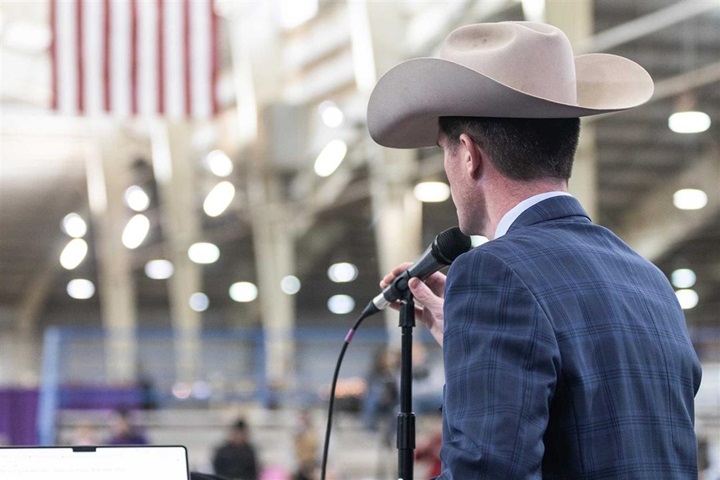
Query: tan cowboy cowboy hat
[[507, 69]]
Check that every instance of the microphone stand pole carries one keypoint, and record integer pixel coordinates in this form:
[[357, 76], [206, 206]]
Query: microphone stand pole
[[406, 418]]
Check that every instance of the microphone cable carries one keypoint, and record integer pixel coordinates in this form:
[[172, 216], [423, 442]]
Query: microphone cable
[[369, 311]]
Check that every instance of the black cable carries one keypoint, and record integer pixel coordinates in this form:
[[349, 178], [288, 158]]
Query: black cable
[[369, 310]]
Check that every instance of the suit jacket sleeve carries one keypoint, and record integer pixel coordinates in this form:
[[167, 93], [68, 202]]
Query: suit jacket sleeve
[[501, 365]]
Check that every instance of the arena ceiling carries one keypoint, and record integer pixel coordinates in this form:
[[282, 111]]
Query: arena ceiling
[[640, 162]]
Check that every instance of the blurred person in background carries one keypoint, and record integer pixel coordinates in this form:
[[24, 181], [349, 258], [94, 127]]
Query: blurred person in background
[[236, 459], [306, 446], [381, 393], [429, 444], [427, 381], [84, 435], [123, 432]]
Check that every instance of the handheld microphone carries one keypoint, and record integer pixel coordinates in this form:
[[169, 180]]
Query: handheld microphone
[[446, 247]]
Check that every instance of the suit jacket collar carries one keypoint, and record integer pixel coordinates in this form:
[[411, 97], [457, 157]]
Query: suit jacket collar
[[550, 209]]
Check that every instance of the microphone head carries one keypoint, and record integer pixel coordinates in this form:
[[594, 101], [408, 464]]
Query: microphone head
[[450, 244]]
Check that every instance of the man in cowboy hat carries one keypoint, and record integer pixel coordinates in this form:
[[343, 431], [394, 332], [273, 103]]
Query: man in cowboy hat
[[566, 354]]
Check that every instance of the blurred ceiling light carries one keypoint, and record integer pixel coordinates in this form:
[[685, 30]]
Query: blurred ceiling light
[[341, 304], [294, 13], [689, 122], [331, 114], [136, 198], [203, 252], [534, 10], [330, 158], [74, 225], [688, 298], [683, 278], [342, 272], [199, 302], [201, 390], [135, 231], [73, 253], [219, 199], [26, 37], [290, 285], [182, 390], [80, 289], [159, 269], [690, 199], [243, 292], [219, 163], [432, 192]]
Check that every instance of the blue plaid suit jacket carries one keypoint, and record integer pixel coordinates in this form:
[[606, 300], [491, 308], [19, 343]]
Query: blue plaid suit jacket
[[566, 357]]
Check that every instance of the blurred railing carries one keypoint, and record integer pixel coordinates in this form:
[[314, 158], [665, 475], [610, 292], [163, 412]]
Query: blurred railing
[[231, 368]]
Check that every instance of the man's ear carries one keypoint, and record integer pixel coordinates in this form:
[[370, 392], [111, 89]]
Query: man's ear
[[473, 156]]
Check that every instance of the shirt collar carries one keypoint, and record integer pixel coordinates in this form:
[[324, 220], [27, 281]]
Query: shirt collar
[[515, 212]]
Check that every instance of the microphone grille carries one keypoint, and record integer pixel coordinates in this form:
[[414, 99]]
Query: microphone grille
[[450, 244]]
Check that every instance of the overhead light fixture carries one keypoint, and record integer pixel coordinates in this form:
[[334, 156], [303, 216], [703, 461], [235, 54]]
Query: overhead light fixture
[[135, 231], [203, 252], [219, 163], [330, 158], [136, 198], [690, 199], [199, 302], [686, 118], [290, 285], [159, 269], [683, 278], [432, 192], [688, 298], [74, 225], [331, 114], [534, 10], [243, 292], [74, 253], [219, 199], [341, 304], [80, 289], [689, 122], [342, 272]]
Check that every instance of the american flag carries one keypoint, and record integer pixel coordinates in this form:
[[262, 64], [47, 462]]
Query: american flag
[[134, 57]]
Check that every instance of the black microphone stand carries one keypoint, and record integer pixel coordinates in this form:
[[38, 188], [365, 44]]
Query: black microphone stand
[[406, 417]]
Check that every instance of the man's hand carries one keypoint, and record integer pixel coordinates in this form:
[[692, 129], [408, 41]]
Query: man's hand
[[428, 298]]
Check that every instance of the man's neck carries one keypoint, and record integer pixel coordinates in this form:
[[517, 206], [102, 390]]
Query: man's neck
[[506, 194]]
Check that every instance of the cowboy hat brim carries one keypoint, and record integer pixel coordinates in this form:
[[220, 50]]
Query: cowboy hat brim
[[407, 101]]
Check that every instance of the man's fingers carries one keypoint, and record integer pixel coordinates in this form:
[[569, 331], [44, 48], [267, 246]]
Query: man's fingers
[[436, 283], [423, 293], [387, 279]]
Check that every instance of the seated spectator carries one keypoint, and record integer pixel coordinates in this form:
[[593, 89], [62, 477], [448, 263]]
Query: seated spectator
[[123, 432], [236, 459]]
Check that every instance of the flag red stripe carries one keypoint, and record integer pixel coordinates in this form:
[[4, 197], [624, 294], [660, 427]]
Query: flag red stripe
[[106, 39], [160, 57], [134, 72], [53, 54], [214, 62], [186, 54], [80, 56]]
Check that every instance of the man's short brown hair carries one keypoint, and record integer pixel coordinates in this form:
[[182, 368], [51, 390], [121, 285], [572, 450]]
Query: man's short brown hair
[[521, 148]]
